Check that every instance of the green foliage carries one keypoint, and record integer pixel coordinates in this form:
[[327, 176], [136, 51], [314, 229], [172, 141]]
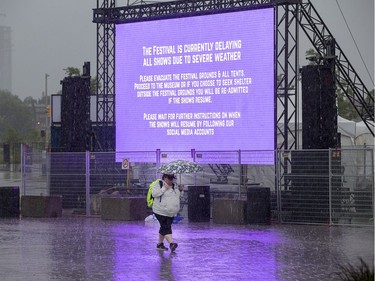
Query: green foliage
[[361, 272], [30, 101], [17, 120], [344, 106], [72, 71], [42, 100]]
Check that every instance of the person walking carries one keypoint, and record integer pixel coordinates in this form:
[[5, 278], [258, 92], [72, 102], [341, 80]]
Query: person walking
[[165, 207]]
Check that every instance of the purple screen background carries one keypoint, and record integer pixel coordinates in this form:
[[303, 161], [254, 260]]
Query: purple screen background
[[253, 129]]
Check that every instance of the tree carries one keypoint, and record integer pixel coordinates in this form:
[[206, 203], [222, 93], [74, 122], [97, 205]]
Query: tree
[[72, 71], [344, 106], [30, 101], [42, 100], [17, 121]]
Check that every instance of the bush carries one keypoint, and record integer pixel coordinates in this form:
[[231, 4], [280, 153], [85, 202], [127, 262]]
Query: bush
[[361, 272]]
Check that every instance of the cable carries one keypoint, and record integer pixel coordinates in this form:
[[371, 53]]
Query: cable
[[368, 72]]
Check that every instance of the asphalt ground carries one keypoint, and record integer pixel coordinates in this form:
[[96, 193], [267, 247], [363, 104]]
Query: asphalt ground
[[90, 248]]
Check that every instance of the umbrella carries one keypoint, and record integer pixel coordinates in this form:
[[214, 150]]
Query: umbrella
[[179, 167]]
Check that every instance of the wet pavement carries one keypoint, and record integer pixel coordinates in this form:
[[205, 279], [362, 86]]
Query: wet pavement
[[81, 248]]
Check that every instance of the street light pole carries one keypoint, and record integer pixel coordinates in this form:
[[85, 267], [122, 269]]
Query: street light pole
[[46, 104]]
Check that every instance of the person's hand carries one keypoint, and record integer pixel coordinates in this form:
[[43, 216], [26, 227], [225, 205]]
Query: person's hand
[[181, 187]]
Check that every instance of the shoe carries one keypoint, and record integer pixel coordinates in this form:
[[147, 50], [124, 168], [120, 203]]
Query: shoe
[[161, 246], [173, 246]]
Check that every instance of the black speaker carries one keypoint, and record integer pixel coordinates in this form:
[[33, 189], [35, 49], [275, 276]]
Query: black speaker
[[199, 203], [319, 110], [9, 201], [86, 68], [258, 207], [75, 114]]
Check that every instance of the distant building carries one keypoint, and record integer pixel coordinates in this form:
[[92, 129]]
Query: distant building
[[5, 58]]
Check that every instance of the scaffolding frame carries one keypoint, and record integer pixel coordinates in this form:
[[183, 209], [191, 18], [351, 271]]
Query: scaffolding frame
[[106, 15]]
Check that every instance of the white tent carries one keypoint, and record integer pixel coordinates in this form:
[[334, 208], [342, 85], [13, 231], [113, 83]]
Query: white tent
[[354, 133]]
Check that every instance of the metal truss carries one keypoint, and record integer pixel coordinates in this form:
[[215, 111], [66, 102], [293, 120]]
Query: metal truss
[[176, 9], [346, 77], [287, 74], [107, 15], [105, 109]]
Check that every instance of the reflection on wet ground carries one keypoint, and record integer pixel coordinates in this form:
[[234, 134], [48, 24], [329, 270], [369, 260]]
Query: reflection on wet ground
[[79, 248]]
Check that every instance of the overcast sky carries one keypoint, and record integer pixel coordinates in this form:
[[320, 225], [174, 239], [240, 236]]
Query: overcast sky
[[50, 35]]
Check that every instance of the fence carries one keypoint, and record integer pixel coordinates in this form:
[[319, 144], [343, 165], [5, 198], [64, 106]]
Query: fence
[[307, 186], [326, 186], [10, 154]]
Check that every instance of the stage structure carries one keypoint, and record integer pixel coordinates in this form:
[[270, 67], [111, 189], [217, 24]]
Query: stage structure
[[107, 15], [105, 123], [290, 17]]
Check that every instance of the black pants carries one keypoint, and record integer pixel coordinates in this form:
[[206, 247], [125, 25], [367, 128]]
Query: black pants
[[165, 224]]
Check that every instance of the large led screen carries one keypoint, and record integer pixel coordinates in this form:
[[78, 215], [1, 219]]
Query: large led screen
[[202, 82]]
